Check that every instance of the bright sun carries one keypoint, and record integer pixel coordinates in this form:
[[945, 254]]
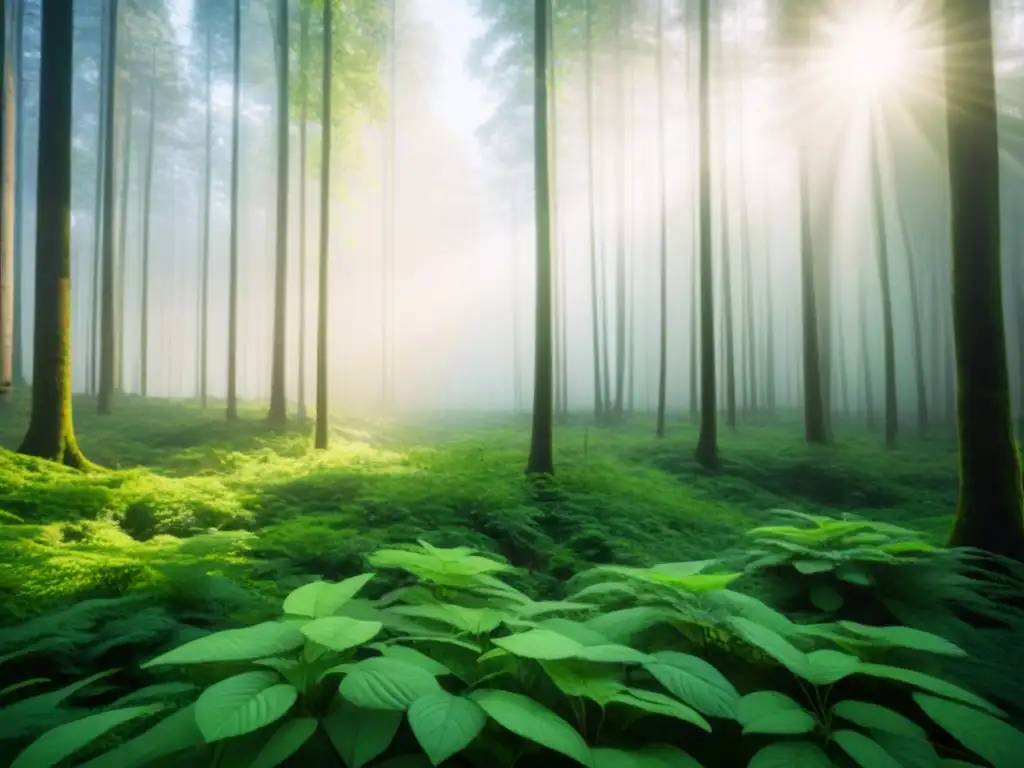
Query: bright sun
[[870, 50]]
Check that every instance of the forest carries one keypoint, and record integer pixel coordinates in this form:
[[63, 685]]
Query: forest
[[646, 375]]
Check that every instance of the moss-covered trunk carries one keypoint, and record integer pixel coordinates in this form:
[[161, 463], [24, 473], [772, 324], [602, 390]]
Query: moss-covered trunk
[[990, 514], [50, 433]]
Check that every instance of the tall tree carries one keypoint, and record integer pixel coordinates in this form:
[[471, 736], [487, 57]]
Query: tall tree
[[304, 9], [541, 460], [236, 112], [325, 223], [278, 413], [7, 151], [990, 513], [884, 281], [588, 68], [147, 199], [707, 444], [50, 432], [107, 320], [659, 58], [204, 277]]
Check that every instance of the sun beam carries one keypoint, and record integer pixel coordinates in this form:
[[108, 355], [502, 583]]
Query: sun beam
[[870, 50]]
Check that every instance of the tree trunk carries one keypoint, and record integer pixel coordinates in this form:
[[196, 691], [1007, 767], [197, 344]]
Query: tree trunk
[[591, 213], [323, 278], [108, 350], [659, 58], [707, 444], [620, 231], [121, 254], [541, 460], [303, 119], [17, 304], [278, 414], [917, 336], [147, 196], [232, 383], [50, 432], [204, 294], [882, 255], [865, 351], [8, 106], [990, 514], [97, 221]]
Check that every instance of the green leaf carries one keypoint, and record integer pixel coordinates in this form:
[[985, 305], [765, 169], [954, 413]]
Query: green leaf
[[242, 704], [339, 633], [623, 625], [696, 682], [527, 718], [813, 566], [476, 621], [854, 574], [612, 654], [660, 704], [790, 754], [928, 683], [288, 739], [542, 644], [324, 598], [551, 606], [271, 638], [909, 753], [175, 733], [988, 737], [412, 656], [877, 717], [156, 691], [657, 756], [824, 597], [865, 752], [574, 630], [772, 712], [63, 741], [772, 643], [383, 683], [576, 678], [905, 637], [826, 667], [360, 735], [445, 724]]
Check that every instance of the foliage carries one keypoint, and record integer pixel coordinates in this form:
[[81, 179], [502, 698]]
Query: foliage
[[465, 659]]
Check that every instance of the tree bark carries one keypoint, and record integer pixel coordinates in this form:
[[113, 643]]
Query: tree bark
[[147, 198], [323, 281], [882, 257], [107, 329], [232, 382]]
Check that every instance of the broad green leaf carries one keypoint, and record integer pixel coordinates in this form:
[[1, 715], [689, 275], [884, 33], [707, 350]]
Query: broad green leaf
[[654, 756], [660, 704], [61, 742], [541, 607], [996, 741], [864, 751], [854, 574], [899, 547], [575, 630], [905, 637], [21, 685], [826, 667], [271, 638], [696, 682], [813, 566], [824, 597], [445, 724], [324, 598], [772, 643], [540, 644], [623, 625], [242, 704], [908, 752], [527, 718], [612, 654], [360, 735], [773, 712], [175, 733], [790, 754], [412, 656], [383, 683], [928, 683], [339, 633], [877, 717], [476, 621], [756, 611], [288, 738], [575, 678]]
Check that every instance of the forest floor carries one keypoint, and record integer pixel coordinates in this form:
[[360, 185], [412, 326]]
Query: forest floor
[[190, 488]]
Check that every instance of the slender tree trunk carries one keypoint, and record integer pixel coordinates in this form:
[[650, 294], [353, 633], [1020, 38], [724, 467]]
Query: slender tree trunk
[[707, 445], [121, 255], [97, 221], [728, 329], [8, 106], [50, 432], [278, 414], [147, 197], [659, 58], [591, 214], [769, 343], [750, 353], [204, 297], [323, 278], [882, 255], [865, 351], [541, 459], [303, 120], [917, 334], [620, 231], [517, 374], [17, 305], [990, 514], [107, 319], [232, 384]]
